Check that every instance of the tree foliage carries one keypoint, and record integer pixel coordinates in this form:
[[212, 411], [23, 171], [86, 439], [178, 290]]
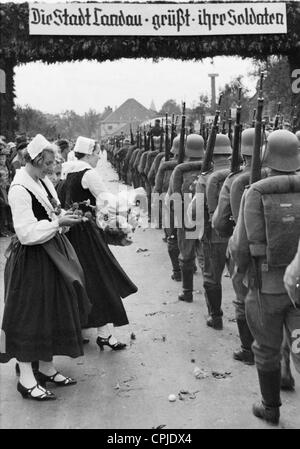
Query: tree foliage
[[231, 97], [68, 125], [277, 84], [170, 107]]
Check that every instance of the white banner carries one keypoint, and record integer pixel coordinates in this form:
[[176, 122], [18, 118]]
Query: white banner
[[145, 19]]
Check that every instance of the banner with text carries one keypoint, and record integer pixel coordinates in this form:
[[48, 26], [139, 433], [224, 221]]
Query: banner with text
[[146, 19]]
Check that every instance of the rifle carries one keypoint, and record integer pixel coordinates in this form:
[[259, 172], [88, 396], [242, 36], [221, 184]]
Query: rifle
[[277, 117], [294, 119], [207, 130], [167, 148], [256, 158], [131, 135], [229, 126], [235, 158], [149, 140], [182, 136], [253, 118], [151, 146], [281, 121], [145, 139], [161, 139], [224, 123], [174, 132], [207, 161], [254, 177]]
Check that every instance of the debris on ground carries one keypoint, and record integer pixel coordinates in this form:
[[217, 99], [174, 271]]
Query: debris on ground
[[161, 426], [132, 336], [193, 360], [200, 373], [185, 394], [154, 313], [220, 375], [232, 320], [142, 250], [162, 338], [172, 397], [117, 386]]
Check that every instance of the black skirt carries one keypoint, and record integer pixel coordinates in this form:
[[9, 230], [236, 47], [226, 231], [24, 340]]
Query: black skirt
[[45, 302], [106, 281]]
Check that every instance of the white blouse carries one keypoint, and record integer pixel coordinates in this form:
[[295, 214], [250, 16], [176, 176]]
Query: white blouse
[[91, 179], [28, 229]]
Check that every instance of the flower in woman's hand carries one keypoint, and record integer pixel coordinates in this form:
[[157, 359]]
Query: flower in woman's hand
[[75, 206], [88, 215]]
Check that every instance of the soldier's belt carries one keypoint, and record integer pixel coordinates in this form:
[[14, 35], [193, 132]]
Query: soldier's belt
[[258, 249]]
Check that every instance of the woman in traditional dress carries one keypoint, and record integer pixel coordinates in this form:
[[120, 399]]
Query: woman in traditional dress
[[45, 300], [106, 282]]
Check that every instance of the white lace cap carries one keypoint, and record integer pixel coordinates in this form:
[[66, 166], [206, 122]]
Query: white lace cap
[[37, 145], [84, 145]]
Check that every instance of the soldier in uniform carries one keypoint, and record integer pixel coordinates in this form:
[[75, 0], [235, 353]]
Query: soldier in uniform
[[171, 232], [194, 151], [223, 222], [214, 246], [120, 155], [263, 243], [157, 130]]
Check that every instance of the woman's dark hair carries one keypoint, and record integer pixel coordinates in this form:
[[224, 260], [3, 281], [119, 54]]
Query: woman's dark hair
[[39, 158], [79, 155]]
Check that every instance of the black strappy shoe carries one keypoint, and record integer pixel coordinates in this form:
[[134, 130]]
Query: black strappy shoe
[[101, 342], [43, 378], [45, 395]]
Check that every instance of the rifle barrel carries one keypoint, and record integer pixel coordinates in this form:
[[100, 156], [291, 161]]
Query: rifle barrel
[[182, 136]]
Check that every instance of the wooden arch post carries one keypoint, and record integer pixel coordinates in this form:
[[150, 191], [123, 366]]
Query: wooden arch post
[[8, 123]]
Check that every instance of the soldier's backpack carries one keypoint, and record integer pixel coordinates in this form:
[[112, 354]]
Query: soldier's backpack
[[154, 168], [280, 197], [184, 176]]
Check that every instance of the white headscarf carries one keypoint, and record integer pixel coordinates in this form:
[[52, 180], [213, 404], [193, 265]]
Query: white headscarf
[[37, 145], [84, 145]]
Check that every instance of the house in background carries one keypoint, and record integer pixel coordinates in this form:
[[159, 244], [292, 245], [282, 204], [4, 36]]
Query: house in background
[[131, 112]]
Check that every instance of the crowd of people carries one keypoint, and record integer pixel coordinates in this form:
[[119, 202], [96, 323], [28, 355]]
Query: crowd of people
[[249, 225], [12, 158], [60, 275], [60, 256]]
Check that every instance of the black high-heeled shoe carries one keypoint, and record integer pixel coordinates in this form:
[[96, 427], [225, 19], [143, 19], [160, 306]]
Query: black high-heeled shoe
[[43, 378], [45, 395], [101, 342]]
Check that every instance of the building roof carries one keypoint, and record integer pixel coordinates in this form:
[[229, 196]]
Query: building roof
[[131, 111]]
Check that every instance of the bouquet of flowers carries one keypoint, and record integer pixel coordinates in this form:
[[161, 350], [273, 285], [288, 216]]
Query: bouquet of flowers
[[118, 216]]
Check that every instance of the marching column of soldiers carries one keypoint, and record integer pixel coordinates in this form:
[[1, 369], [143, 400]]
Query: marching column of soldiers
[[243, 215]]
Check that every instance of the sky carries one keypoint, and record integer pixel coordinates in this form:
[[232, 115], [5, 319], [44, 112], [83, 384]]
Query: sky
[[85, 85]]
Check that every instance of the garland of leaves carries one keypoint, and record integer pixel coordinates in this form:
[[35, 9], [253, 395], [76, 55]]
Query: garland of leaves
[[17, 46], [16, 42]]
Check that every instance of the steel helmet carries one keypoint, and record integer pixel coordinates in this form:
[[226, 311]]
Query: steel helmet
[[282, 151], [222, 145], [175, 146], [156, 142], [194, 146], [298, 134], [247, 141]]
